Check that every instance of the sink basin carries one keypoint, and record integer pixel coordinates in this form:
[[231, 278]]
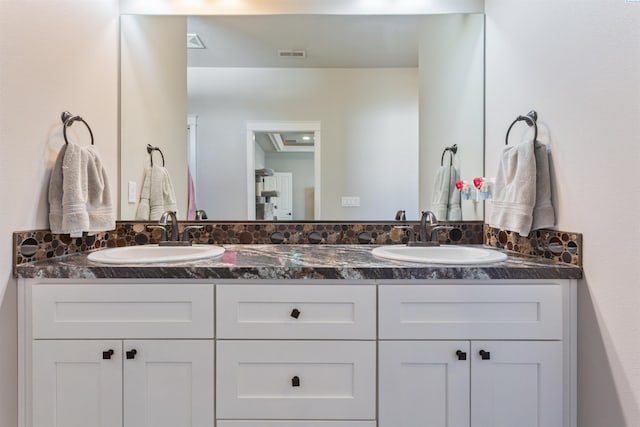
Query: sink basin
[[148, 254], [452, 254]]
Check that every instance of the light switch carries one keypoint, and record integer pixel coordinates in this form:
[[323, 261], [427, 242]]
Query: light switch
[[132, 192]]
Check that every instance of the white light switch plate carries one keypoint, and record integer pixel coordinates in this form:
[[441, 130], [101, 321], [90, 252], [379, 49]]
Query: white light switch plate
[[132, 192]]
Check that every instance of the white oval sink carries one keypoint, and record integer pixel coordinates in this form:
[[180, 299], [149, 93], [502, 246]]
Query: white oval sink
[[148, 254], [452, 254]]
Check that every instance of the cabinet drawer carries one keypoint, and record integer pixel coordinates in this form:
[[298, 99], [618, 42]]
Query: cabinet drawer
[[284, 423], [470, 311], [296, 311], [122, 311], [272, 380]]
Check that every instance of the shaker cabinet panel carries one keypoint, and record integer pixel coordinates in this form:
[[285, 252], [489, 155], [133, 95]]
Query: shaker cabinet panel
[[291, 423], [424, 383], [122, 311], [296, 311], [268, 380], [168, 383], [470, 311], [77, 384], [516, 383]]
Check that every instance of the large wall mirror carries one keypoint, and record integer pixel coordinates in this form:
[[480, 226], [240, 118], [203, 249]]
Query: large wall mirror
[[351, 113]]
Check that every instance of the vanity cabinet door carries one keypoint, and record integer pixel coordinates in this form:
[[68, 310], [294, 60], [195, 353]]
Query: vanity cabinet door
[[168, 383], [424, 383], [77, 383], [518, 383]]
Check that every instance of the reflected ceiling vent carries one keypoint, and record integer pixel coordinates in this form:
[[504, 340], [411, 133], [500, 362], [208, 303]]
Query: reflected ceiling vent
[[291, 53], [194, 42]]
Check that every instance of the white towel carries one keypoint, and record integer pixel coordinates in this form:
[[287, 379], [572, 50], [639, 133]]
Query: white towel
[[543, 214], [79, 193], [514, 192], [454, 208], [55, 193], [157, 195], [445, 202]]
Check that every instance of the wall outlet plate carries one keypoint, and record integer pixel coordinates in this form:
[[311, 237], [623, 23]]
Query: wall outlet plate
[[350, 201]]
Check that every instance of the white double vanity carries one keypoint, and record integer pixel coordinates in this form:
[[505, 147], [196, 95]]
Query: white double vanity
[[308, 350]]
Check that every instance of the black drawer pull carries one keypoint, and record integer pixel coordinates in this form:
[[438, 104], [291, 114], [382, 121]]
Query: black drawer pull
[[106, 355], [461, 355], [295, 381], [131, 354], [486, 355], [295, 313]]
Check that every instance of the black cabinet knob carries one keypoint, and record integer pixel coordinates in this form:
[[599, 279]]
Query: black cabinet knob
[[131, 354], [295, 313], [461, 355], [295, 381], [106, 355], [485, 355]]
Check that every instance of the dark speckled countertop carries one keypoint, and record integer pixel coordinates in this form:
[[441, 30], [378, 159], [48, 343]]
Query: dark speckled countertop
[[277, 262]]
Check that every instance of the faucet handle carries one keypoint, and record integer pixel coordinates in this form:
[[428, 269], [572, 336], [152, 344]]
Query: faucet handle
[[438, 228], [186, 233], [410, 231], [163, 234]]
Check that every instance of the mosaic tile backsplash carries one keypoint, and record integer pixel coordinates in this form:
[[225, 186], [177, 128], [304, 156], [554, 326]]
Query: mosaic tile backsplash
[[42, 244], [561, 246], [38, 245]]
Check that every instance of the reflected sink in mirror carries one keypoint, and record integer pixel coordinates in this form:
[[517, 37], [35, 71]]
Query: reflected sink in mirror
[[149, 254], [453, 254]]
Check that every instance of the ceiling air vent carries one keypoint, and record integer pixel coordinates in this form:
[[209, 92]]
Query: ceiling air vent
[[292, 53], [194, 42]]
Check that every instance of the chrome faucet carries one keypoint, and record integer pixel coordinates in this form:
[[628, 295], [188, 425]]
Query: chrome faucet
[[429, 229], [429, 218], [172, 234]]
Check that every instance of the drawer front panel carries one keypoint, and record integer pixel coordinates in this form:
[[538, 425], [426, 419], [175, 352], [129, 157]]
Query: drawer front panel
[[470, 312], [123, 311], [269, 380], [296, 311], [286, 423]]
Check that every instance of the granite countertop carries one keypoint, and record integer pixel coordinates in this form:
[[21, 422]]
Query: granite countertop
[[277, 262]]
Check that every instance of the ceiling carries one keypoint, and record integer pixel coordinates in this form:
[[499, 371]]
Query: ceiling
[[340, 41], [290, 139]]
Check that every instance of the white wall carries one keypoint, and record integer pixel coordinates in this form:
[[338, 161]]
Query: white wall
[[369, 122], [153, 104], [55, 55], [578, 64]]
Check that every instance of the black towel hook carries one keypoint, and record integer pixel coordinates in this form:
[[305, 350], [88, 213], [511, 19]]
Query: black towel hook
[[453, 149], [531, 119], [68, 119], [151, 149]]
